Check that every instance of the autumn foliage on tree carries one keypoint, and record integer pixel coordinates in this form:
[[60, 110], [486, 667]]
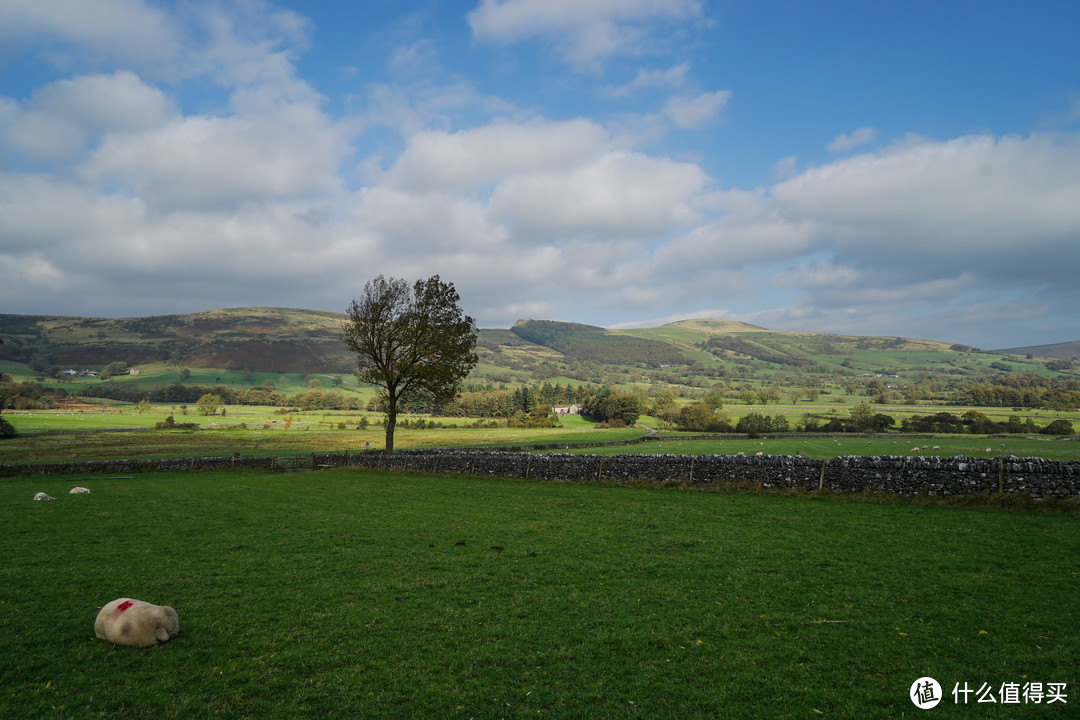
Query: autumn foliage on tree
[[411, 341]]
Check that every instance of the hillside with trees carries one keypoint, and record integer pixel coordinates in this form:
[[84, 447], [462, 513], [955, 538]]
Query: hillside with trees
[[738, 362], [586, 343]]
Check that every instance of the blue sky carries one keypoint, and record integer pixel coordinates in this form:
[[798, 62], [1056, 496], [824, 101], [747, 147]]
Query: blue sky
[[886, 168]]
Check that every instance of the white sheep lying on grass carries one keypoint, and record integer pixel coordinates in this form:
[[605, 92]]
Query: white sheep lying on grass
[[43, 496], [78, 490], [136, 623]]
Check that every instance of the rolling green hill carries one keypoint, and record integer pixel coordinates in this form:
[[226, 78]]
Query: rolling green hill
[[690, 352], [261, 339], [587, 343]]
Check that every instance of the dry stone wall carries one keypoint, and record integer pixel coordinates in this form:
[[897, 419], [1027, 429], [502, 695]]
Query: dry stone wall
[[883, 474], [886, 474]]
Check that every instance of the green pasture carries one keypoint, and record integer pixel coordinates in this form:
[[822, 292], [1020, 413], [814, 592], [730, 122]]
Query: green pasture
[[122, 415], [106, 413], [107, 430], [310, 432], [19, 371], [348, 594]]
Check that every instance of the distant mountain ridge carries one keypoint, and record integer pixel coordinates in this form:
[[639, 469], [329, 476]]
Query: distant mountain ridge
[[266, 339], [1061, 351]]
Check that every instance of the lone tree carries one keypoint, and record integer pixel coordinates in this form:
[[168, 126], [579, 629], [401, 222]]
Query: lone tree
[[412, 342]]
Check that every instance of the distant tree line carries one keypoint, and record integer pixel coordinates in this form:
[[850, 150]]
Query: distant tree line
[[1024, 391], [27, 396], [704, 417], [599, 402], [177, 393]]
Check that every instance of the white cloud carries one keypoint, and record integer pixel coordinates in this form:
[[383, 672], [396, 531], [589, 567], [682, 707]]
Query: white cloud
[[584, 33], [214, 162], [670, 79], [59, 119], [273, 140], [620, 194], [60, 218], [426, 223], [29, 273], [923, 229], [412, 57], [750, 230], [251, 44], [786, 167], [439, 161], [821, 275], [974, 199], [99, 32], [105, 103], [690, 113], [843, 143], [411, 110]]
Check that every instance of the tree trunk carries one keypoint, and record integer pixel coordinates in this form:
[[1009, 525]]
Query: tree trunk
[[391, 424]]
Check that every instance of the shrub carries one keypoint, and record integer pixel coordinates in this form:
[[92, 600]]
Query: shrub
[[702, 417], [753, 424], [170, 423], [1058, 427]]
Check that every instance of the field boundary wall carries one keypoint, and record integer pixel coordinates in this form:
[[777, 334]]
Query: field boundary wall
[[903, 475]]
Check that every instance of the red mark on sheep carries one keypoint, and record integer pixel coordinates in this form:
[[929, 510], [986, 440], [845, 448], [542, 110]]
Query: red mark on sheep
[[122, 607]]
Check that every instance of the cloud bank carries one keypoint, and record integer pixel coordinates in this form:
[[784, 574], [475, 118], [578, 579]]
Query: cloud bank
[[118, 196]]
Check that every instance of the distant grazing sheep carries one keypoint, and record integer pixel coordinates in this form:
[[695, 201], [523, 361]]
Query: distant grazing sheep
[[136, 623], [79, 491], [43, 496]]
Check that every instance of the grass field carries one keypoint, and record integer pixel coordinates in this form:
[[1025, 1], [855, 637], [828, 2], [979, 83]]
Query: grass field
[[302, 437], [345, 594], [254, 430]]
